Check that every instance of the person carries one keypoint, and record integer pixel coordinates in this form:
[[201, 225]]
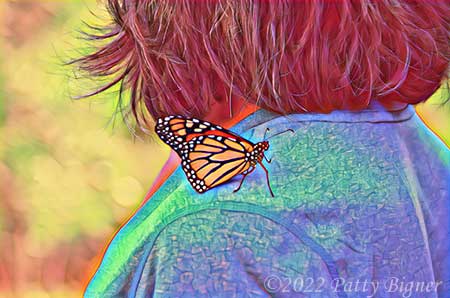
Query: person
[[361, 188]]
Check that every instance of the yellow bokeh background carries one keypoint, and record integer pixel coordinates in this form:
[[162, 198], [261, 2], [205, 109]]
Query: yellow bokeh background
[[68, 177]]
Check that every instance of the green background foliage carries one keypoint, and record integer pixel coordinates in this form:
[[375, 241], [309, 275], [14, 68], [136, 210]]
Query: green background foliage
[[73, 177]]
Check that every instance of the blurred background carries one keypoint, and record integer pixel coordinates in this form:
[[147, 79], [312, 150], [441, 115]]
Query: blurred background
[[69, 173], [68, 178]]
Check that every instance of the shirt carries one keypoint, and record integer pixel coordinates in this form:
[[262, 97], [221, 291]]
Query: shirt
[[361, 209]]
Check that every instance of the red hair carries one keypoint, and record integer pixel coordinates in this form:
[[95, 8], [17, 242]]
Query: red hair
[[178, 57]]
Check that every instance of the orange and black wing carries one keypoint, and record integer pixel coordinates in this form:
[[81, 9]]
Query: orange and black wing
[[210, 154], [211, 160], [177, 131]]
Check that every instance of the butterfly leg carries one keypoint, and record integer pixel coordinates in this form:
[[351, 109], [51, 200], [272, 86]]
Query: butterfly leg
[[269, 160], [267, 178], [243, 178]]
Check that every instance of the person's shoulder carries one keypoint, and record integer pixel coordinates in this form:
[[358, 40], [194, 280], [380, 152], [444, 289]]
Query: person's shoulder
[[174, 203], [137, 235]]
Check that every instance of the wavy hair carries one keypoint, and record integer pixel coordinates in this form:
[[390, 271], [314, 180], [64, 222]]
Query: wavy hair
[[179, 57]]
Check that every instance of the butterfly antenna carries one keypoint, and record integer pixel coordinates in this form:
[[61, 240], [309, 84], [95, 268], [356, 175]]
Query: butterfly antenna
[[265, 133], [279, 133]]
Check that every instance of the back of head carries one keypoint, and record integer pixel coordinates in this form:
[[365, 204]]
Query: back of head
[[182, 57]]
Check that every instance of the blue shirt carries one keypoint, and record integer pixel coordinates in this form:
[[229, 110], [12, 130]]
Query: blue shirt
[[361, 209]]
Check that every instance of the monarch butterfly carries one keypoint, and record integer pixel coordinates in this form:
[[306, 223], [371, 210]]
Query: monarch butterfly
[[211, 155]]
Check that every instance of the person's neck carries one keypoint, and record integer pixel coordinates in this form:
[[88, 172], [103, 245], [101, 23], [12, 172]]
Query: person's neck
[[221, 114]]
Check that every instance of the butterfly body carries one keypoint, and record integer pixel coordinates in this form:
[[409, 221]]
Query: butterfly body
[[210, 155]]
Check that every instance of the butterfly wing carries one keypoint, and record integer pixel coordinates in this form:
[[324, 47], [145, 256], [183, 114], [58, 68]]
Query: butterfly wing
[[177, 130], [212, 160], [210, 154]]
